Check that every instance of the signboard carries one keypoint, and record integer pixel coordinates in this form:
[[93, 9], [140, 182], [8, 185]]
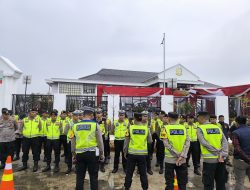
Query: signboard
[[1, 77], [27, 79]]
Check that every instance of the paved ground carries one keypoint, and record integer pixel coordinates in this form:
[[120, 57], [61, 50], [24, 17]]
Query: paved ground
[[27, 180]]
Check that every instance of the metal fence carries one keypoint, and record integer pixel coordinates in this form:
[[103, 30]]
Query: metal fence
[[20, 104], [239, 106], [128, 103], [77, 102], [187, 105]]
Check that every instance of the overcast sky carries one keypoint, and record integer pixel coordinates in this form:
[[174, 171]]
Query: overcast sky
[[74, 38]]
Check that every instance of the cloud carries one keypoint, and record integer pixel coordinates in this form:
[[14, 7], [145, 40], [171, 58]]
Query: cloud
[[70, 39]]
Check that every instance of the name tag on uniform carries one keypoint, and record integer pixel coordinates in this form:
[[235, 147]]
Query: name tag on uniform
[[213, 131], [83, 127], [176, 132], [139, 132]]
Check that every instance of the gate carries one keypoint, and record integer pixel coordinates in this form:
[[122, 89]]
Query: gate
[[75, 102], [20, 104], [128, 103]]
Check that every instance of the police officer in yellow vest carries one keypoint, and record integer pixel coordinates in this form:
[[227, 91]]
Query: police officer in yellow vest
[[145, 121], [103, 127], [176, 142], [30, 128], [53, 132], [120, 127], [136, 151], [87, 137], [159, 143], [154, 120], [214, 150], [43, 134], [70, 135], [107, 136], [194, 144], [63, 138]]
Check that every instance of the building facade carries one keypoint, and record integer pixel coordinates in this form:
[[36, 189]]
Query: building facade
[[177, 77]]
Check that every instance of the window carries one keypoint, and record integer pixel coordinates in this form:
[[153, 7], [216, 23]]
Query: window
[[88, 89], [70, 89]]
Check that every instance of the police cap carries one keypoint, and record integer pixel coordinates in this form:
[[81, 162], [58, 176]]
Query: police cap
[[173, 115], [213, 116], [122, 112], [53, 113], [202, 113]]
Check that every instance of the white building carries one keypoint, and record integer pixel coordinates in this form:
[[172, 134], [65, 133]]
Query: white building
[[177, 76], [11, 75]]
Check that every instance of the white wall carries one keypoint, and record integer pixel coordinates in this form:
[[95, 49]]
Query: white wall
[[113, 106], [167, 103], [7, 88], [221, 107], [59, 102]]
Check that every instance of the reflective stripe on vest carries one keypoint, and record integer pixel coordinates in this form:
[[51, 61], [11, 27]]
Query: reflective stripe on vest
[[30, 128], [85, 133], [138, 144], [213, 135], [120, 130], [177, 135], [53, 130]]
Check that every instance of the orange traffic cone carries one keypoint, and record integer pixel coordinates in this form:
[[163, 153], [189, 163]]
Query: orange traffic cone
[[7, 179], [175, 183]]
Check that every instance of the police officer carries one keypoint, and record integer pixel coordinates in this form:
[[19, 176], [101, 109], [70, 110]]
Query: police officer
[[30, 129], [102, 123], [87, 136], [176, 142], [120, 127], [153, 132], [159, 143], [63, 137], [19, 138], [136, 151], [75, 120], [107, 137], [194, 144], [146, 122], [214, 150], [43, 133], [7, 137], [54, 130]]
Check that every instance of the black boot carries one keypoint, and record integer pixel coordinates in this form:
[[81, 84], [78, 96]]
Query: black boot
[[56, 169], [35, 168], [114, 170], [68, 170], [48, 168], [102, 169], [24, 167], [161, 171], [197, 172], [149, 171]]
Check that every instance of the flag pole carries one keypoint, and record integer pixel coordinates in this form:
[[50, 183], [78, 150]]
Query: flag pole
[[164, 65]]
